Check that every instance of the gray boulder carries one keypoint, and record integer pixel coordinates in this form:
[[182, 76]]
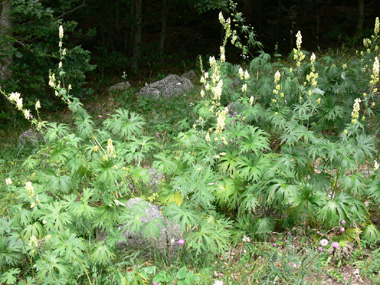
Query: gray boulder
[[154, 230], [189, 75], [119, 87], [29, 137], [155, 177], [171, 86]]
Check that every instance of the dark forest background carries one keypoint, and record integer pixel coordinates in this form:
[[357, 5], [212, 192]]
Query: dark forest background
[[150, 38]]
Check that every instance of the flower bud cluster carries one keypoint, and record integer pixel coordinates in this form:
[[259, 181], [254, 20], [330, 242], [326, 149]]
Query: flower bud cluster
[[298, 54], [355, 111], [8, 181], [110, 148], [221, 121], [277, 78], [29, 187], [375, 75]]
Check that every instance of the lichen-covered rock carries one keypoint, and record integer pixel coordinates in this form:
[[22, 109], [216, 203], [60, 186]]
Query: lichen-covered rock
[[191, 75], [152, 222], [171, 86], [119, 86], [29, 137]]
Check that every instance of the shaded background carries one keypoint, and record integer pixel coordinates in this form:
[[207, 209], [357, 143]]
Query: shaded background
[[147, 39]]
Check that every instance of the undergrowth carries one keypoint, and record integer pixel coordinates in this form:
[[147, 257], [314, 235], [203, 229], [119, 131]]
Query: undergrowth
[[270, 173]]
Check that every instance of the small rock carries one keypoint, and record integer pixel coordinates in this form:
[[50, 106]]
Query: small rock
[[29, 137], [189, 75], [149, 213], [120, 86], [171, 86]]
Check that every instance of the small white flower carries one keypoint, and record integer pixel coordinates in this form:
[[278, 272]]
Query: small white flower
[[246, 239], [324, 242], [277, 76], [221, 18], [19, 104], [299, 40], [218, 282], [38, 105], [60, 32], [376, 167], [8, 181], [14, 96], [312, 58], [246, 75], [27, 114], [241, 73]]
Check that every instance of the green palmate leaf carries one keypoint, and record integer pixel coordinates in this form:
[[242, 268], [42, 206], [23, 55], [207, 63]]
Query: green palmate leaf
[[276, 192], [102, 254], [30, 163], [252, 113], [54, 131], [342, 207], [227, 194], [249, 202], [78, 167], [10, 250], [56, 216], [236, 131], [371, 233], [353, 184], [50, 265], [72, 140], [108, 171], [296, 132], [188, 139], [85, 125], [252, 166], [82, 208], [68, 246], [202, 183], [364, 148], [306, 201], [164, 164], [256, 140], [229, 162], [125, 124], [56, 183], [107, 216], [60, 152], [153, 228], [373, 190], [9, 277], [213, 235], [263, 227], [36, 229], [185, 216], [352, 234]]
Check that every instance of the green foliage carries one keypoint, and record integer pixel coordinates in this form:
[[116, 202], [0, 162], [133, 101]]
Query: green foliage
[[34, 32], [286, 154]]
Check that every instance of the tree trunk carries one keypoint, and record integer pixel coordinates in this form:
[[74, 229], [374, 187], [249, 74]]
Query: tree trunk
[[164, 13], [137, 34], [6, 56], [361, 15]]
